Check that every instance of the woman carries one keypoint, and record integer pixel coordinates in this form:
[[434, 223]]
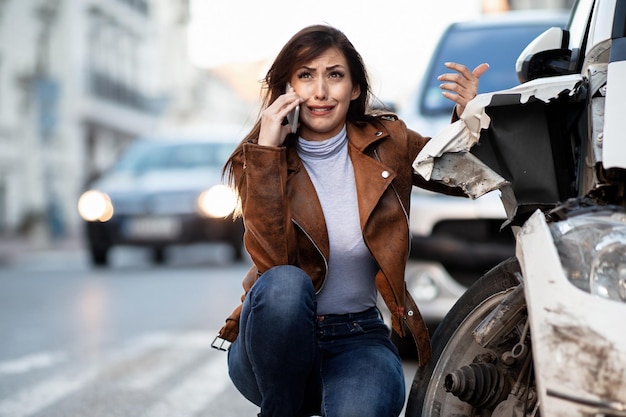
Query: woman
[[325, 213]]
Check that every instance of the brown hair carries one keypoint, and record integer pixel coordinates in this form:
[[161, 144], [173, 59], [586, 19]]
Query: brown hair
[[306, 45]]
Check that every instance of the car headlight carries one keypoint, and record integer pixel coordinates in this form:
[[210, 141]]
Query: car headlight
[[592, 249], [218, 201], [95, 205]]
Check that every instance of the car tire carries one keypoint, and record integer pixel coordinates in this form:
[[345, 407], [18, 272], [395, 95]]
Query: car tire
[[237, 251], [499, 279], [99, 255], [158, 255]]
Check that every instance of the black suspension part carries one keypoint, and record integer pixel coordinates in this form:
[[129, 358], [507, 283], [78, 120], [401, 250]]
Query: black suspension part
[[481, 385]]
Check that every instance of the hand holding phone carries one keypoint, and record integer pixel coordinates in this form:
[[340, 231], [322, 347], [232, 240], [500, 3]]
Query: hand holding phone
[[293, 116]]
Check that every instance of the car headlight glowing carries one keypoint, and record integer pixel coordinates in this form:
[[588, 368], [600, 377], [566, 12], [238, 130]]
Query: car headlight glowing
[[95, 205], [592, 249], [218, 201]]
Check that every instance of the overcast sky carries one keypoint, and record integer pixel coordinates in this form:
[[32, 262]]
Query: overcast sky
[[393, 36]]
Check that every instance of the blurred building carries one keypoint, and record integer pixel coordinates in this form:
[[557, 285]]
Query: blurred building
[[79, 79]]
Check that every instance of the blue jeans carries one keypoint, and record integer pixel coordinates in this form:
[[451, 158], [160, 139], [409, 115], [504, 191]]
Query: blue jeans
[[292, 363]]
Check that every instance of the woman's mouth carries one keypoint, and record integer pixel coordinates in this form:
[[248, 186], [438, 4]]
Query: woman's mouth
[[320, 110]]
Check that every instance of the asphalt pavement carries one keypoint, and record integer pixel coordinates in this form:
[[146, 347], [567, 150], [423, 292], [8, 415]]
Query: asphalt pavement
[[66, 262], [20, 249], [35, 252]]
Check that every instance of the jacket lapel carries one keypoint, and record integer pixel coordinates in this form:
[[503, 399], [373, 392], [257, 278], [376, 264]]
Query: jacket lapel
[[306, 212], [372, 177]]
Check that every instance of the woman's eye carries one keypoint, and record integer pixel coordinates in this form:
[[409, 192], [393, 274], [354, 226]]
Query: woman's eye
[[336, 74], [304, 74]]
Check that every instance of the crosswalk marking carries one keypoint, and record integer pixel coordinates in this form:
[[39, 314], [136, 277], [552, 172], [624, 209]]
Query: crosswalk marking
[[30, 362], [154, 358], [30, 401], [195, 393], [166, 365], [159, 374]]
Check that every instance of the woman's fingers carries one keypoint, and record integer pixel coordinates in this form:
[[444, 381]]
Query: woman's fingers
[[480, 70], [462, 86], [273, 129]]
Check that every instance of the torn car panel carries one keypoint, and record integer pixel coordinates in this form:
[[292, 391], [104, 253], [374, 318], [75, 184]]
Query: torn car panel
[[513, 133], [470, 174]]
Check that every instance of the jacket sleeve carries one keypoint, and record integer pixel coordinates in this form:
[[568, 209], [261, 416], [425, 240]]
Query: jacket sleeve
[[261, 177], [268, 235]]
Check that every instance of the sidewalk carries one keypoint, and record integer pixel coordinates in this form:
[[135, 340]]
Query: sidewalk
[[19, 249]]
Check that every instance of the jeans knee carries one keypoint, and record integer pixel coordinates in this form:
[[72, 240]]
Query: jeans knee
[[286, 286]]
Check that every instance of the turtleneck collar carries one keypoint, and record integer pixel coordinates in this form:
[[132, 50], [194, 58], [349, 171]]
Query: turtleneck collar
[[319, 149]]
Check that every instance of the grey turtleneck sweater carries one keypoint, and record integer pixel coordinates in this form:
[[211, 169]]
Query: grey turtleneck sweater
[[350, 285]]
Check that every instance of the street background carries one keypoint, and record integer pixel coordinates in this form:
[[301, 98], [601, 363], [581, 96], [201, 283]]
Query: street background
[[82, 79], [130, 340], [79, 81]]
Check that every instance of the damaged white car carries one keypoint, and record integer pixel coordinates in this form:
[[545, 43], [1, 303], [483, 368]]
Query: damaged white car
[[540, 333]]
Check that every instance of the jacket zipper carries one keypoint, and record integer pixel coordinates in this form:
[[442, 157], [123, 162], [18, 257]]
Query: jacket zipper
[[318, 250]]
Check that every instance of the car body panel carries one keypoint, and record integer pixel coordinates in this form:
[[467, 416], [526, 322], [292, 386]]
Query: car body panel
[[578, 342], [613, 143]]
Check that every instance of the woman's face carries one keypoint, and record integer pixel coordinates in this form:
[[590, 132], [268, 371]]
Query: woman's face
[[326, 86]]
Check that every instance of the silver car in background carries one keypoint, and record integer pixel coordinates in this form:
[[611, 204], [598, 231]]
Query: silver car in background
[[164, 190]]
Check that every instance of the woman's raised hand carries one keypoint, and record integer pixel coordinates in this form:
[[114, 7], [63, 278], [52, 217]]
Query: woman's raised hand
[[462, 86]]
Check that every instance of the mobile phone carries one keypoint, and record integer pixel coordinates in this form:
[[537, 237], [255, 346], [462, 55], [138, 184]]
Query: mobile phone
[[293, 116]]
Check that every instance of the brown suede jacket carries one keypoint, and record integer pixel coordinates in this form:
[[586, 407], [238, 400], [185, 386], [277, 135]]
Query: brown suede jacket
[[284, 223]]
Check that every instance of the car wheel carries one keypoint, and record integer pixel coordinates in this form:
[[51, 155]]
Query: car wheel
[[237, 251], [99, 255], [158, 255], [452, 341]]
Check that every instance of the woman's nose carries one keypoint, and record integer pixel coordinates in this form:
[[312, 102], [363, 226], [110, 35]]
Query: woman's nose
[[321, 90]]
